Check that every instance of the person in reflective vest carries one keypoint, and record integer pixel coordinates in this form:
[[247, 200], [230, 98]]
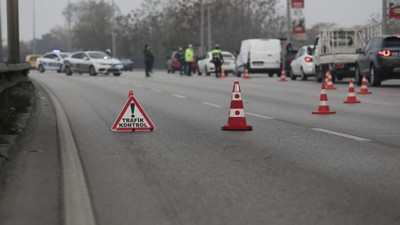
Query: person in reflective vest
[[217, 60], [189, 58]]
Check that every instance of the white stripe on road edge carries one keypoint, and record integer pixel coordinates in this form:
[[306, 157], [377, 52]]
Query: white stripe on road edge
[[340, 134], [78, 209], [211, 104], [261, 116], [180, 96], [156, 90]]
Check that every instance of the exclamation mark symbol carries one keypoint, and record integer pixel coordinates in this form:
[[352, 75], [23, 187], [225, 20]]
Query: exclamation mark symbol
[[133, 109]]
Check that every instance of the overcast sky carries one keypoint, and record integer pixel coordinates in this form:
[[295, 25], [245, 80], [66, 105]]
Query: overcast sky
[[49, 13]]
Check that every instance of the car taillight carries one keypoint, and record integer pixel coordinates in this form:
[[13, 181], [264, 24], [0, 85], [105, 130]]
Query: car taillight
[[398, 36], [385, 53], [338, 65], [308, 59]]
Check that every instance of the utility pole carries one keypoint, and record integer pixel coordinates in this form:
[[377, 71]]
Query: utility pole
[[384, 16], [13, 31], [1, 38], [201, 27], [113, 38], [289, 22], [209, 24], [34, 27], [69, 26]]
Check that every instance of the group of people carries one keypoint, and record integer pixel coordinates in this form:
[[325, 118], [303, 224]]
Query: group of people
[[186, 59]]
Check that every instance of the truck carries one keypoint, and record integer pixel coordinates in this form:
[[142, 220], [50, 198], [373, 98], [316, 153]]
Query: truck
[[335, 50]]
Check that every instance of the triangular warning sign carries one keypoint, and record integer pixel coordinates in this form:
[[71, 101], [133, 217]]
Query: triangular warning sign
[[132, 117]]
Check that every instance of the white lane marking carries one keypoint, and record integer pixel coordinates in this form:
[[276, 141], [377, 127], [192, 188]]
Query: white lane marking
[[78, 209], [341, 134], [156, 90], [211, 104], [261, 116], [179, 96]]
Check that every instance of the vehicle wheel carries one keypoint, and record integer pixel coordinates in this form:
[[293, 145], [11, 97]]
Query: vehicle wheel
[[173, 71], [357, 77], [117, 74], [68, 71], [168, 71], [279, 73], [41, 68], [92, 71], [292, 76], [238, 74], [270, 74], [375, 77], [303, 75], [206, 71]]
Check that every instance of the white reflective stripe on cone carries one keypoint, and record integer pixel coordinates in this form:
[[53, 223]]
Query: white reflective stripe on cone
[[237, 96], [323, 103], [236, 113]]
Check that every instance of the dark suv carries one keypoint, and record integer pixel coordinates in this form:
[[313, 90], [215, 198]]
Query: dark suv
[[380, 60]]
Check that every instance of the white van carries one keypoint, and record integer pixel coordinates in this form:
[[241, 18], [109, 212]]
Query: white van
[[260, 56]]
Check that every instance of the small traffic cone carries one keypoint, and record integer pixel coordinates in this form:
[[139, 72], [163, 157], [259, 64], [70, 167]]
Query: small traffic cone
[[329, 84], [237, 119], [223, 74], [364, 88], [283, 76], [246, 74], [323, 107], [351, 96]]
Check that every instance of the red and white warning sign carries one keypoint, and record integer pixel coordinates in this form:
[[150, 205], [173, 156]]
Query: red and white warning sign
[[132, 118]]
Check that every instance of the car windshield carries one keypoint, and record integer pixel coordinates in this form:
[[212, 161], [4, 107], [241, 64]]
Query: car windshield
[[64, 55], [392, 42], [228, 56], [98, 55]]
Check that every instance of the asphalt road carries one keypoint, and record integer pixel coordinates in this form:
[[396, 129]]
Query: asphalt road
[[293, 168]]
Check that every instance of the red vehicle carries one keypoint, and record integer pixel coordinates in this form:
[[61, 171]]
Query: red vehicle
[[174, 65]]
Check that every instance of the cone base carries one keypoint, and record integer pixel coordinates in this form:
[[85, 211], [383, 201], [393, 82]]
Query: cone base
[[237, 128], [364, 93], [282, 80], [324, 112], [246, 78], [351, 102]]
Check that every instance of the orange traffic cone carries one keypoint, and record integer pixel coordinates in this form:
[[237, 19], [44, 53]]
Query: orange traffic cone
[[329, 83], [237, 119], [323, 107], [351, 96], [364, 88], [246, 74], [283, 76], [223, 74]]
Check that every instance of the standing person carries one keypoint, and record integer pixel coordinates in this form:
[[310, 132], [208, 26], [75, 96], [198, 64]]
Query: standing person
[[217, 60], [189, 58], [148, 56], [181, 59]]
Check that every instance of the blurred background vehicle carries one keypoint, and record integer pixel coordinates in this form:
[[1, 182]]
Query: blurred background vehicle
[[127, 64], [260, 56], [206, 65], [53, 61], [174, 65], [31, 59], [302, 65], [92, 62], [380, 60]]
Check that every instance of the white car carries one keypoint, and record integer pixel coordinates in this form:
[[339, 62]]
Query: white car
[[207, 66], [302, 65], [92, 62], [51, 61]]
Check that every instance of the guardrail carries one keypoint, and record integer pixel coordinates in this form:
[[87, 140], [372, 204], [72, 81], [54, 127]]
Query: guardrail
[[11, 74]]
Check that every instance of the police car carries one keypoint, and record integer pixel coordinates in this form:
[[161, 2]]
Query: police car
[[51, 61], [92, 62]]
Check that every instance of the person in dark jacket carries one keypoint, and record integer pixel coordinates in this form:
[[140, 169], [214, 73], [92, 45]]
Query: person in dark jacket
[[148, 58], [181, 59]]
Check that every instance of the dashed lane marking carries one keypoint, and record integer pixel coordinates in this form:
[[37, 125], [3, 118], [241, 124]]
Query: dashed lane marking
[[179, 96], [260, 116], [211, 104], [341, 134]]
